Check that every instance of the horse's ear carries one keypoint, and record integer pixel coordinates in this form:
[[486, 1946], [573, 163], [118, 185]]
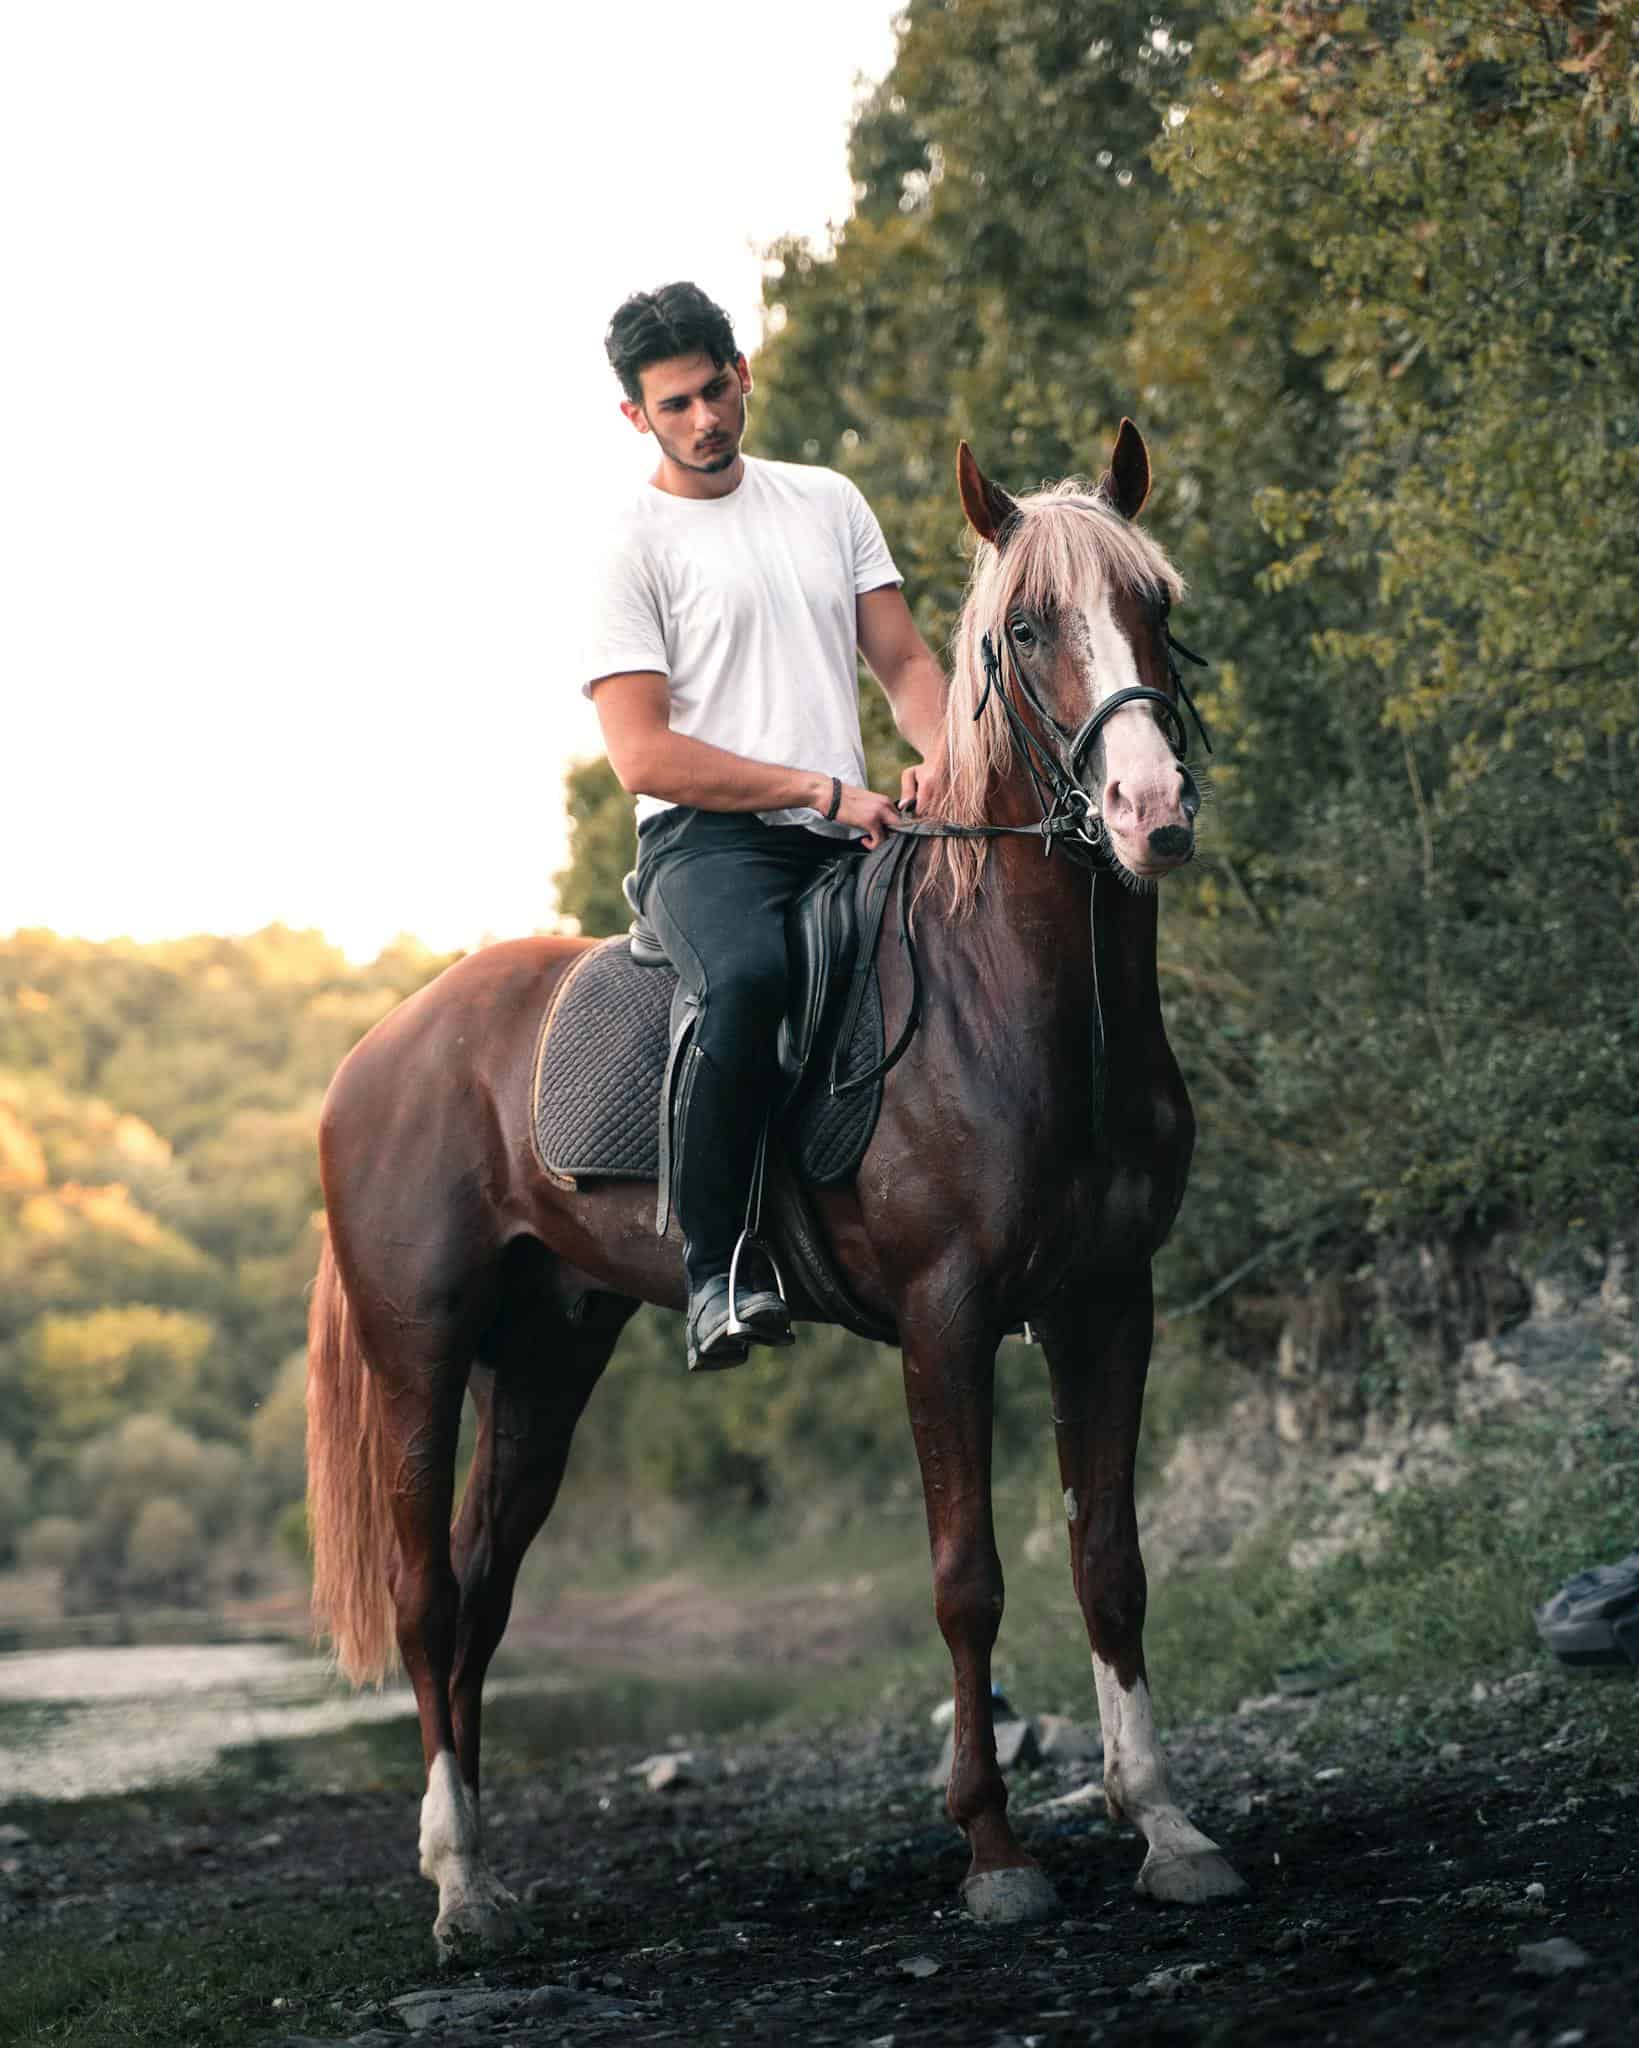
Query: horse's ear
[[1126, 483], [987, 505]]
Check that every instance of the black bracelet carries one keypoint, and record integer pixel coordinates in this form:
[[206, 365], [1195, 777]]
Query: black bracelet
[[836, 800]]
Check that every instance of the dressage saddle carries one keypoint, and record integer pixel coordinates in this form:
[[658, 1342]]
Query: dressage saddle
[[611, 1047]]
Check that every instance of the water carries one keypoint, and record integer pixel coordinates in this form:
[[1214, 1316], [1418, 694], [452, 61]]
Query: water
[[83, 1721], [78, 1722]]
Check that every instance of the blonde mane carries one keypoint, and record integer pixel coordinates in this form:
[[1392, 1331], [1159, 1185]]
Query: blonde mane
[[1067, 545]]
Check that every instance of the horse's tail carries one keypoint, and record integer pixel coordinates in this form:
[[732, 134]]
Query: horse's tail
[[347, 1487]]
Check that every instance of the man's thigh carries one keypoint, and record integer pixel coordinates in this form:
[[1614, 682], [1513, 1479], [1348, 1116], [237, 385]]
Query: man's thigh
[[716, 891]]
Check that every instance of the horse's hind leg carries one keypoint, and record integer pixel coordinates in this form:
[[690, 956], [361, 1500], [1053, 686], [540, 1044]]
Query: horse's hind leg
[[422, 1365], [950, 1362], [538, 1373], [1098, 1353], [529, 1393]]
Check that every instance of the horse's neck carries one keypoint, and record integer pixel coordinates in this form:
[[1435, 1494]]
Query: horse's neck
[[1039, 914]]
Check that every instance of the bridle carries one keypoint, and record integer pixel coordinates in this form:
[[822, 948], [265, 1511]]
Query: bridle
[[1069, 818], [1069, 815]]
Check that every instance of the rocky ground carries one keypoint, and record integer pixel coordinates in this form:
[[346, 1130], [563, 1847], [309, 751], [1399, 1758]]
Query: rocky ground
[[1461, 1867]]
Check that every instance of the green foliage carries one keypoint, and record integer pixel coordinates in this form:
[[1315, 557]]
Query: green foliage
[[14, 1497], [88, 1370], [1431, 726], [163, 1554], [158, 1197], [1444, 1581], [602, 849]]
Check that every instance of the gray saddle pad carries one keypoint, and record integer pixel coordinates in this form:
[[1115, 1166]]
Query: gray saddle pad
[[601, 1061]]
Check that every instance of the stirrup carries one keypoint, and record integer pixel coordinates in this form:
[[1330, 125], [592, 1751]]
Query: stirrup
[[756, 1332], [750, 1238]]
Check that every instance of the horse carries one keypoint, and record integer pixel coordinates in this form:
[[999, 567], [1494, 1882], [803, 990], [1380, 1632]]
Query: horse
[[1028, 1162]]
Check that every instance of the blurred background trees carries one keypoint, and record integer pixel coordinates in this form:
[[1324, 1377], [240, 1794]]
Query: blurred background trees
[[159, 1209]]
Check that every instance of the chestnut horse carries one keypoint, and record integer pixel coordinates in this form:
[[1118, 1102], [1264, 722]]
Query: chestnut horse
[[1029, 1160]]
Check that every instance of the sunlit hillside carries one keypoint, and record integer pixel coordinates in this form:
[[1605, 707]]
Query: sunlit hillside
[[158, 1229]]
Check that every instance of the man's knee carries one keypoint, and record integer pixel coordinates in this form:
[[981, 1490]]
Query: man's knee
[[751, 984]]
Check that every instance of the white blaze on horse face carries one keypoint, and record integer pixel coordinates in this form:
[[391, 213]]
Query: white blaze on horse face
[[1143, 790], [1183, 1864]]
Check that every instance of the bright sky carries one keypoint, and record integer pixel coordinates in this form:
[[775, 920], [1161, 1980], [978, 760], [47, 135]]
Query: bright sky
[[304, 416]]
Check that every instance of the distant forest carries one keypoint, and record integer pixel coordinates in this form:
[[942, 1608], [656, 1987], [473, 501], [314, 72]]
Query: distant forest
[[159, 1216]]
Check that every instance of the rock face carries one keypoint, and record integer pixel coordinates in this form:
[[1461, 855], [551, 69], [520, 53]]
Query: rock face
[[1483, 1337]]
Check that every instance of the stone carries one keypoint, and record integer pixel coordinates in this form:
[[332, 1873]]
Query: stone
[[1063, 1741], [1016, 1746], [12, 1837], [423, 2010], [669, 1773], [548, 1999], [1173, 1983], [918, 1966], [1558, 1956]]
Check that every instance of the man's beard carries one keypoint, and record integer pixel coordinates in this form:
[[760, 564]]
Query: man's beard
[[712, 465]]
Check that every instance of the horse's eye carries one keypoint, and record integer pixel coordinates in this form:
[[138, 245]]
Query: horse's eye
[[1022, 635]]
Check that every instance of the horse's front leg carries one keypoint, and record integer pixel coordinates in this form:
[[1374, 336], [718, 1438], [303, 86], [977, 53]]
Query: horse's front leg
[[1098, 1351], [950, 1363]]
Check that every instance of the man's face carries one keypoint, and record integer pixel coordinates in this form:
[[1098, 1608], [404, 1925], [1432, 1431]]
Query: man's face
[[695, 409]]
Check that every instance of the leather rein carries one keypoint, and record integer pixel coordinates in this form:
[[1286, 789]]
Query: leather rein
[[1069, 818]]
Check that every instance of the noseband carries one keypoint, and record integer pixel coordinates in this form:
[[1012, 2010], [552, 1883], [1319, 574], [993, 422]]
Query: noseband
[[1069, 818], [1068, 812]]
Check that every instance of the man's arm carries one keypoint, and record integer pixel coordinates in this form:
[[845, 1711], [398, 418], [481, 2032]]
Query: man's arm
[[650, 759], [910, 675]]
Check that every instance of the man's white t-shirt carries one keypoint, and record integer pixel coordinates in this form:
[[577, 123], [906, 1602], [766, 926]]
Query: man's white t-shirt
[[746, 604]]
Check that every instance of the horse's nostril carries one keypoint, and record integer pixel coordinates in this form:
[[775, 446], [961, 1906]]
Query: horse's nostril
[[1170, 841]]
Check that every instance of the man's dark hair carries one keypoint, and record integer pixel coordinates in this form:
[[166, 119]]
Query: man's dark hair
[[652, 327]]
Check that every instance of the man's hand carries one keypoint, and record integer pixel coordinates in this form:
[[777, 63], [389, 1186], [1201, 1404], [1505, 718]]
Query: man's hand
[[865, 810], [917, 780]]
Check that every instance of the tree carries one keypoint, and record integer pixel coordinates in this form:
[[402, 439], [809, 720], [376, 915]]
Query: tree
[[602, 848]]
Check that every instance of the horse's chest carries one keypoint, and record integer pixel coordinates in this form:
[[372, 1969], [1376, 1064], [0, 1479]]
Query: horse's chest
[[1132, 1179]]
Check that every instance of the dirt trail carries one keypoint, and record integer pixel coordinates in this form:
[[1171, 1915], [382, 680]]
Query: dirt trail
[[804, 1889]]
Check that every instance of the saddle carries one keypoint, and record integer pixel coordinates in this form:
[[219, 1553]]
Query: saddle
[[609, 1051]]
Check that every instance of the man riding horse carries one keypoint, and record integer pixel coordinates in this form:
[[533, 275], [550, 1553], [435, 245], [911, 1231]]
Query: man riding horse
[[720, 657]]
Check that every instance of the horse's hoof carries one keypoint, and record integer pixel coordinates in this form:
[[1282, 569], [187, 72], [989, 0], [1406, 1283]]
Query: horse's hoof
[[481, 1924], [1010, 1898], [1188, 1880]]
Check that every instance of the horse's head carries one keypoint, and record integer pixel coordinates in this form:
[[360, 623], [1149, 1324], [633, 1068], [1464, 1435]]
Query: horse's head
[[1067, 611]]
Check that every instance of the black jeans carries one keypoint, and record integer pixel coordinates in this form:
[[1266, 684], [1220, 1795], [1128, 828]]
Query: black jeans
[[715, 886]]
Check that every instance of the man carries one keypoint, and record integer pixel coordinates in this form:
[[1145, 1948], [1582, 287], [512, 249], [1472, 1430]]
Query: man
[[720, 657]]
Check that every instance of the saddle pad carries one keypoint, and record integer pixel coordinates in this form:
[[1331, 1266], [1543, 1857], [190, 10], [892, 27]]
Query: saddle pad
[[602, 1057]]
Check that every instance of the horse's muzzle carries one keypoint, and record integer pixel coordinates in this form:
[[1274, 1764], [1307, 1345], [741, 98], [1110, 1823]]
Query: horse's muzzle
[[1172, 842]]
